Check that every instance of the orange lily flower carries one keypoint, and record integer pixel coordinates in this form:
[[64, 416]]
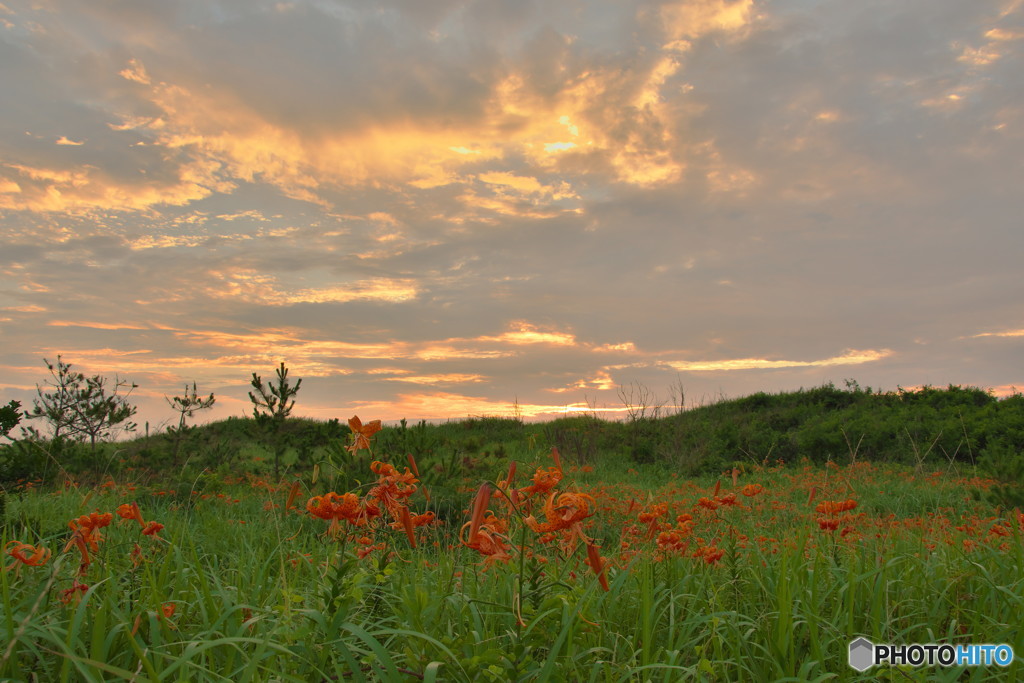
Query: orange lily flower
[[544, 480], [334, 508], [727, 499], [675, 539], [367, 549], [489, 540], [571, 509], [89, 526], [708, 503], [131, 511], [361, 433], [657, 510], [392, 488], [74, 593], [38, 557], [710, 553], [423, 519], [650, 518], [833, 507], [78, 539], [828, 523], [152, 529]]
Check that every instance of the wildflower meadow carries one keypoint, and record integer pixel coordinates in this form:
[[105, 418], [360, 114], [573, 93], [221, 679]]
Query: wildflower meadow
[[375, 565]]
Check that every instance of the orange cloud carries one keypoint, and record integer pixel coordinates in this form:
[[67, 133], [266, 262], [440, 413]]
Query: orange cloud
[[88, 188], [602, 381], [525, 184], [289, 343], [851, 357], [1007, 333], [439, 405], [256, 287], [436, 351], [600, 119], [688, 19], [525, 333], [595, 112], [95, 325], [441, 378], [24, 309]]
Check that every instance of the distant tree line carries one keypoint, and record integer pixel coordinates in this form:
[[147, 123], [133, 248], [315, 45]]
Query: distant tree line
[[948, 427], [72, 409]]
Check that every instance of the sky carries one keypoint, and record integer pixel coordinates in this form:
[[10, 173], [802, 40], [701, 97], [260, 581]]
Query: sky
[[458, 208]]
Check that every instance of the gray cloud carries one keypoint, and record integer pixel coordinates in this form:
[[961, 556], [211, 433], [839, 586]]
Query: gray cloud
[[439, 207]]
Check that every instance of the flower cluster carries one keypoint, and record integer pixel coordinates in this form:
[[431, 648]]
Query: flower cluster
[[390, 494], [563, 517]]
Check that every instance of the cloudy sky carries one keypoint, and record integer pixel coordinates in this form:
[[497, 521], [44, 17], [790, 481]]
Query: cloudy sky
[[442, 208]]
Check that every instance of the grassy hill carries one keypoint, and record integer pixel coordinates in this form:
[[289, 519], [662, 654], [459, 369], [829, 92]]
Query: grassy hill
[[947, 426]]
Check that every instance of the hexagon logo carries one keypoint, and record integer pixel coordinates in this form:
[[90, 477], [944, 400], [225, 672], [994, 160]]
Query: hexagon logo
[[862, 654]]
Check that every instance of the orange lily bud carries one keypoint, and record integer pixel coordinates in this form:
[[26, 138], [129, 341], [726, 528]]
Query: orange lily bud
[[483, 498], [594, 560], [292, 495], [407, 523]]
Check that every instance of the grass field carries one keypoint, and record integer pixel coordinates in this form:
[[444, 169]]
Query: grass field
[[561, 572]]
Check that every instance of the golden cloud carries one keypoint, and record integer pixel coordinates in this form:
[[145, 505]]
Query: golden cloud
[[624, 346], [166, 241], [439, 378], [95, 325], [252, 286], [526, 333], [524, 184], [690, 19], [602, 381], [88, 188], [851, 357], [445, 405], [1005, 333], [602, 119], [214, 126], [24, 309]]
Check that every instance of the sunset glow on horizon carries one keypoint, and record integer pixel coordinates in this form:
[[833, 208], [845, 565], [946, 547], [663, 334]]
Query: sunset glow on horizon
[[436, 210]]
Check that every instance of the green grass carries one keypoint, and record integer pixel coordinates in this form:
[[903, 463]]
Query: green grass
[[263, 595]]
